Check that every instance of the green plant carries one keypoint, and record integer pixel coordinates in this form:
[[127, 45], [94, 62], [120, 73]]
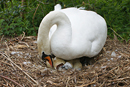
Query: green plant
[[17, 16], [115, 12], [117, 15], [11, 22]]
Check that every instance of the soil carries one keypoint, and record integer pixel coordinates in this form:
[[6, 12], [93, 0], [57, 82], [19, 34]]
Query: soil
[[20, 66]]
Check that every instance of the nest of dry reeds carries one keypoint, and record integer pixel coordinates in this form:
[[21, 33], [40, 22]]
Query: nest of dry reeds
[[21, 66]]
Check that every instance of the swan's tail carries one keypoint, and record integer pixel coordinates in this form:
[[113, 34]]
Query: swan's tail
[[57, 7]]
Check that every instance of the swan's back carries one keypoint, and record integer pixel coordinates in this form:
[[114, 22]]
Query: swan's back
[[88, 29], [88, 26], [81, 19]]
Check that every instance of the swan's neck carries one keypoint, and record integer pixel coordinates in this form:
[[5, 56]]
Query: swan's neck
[[63, 31]]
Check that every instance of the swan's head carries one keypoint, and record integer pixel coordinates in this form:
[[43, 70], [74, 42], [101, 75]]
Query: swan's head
[[52, 62], [47, 58]]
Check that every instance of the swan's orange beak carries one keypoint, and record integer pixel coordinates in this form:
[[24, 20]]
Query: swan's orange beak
[[49, 59]]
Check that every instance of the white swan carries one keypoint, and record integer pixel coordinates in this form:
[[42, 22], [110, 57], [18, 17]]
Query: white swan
[[74, 33]]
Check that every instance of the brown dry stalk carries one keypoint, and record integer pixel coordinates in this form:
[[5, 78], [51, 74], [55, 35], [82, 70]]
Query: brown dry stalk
[[85, 85], [117, 34], [25, 43], [52, 83], [125, 65], [4, 85], [11, 80], [33, 18], [119, 79], [2, 37], [5, 63], [110, 71], [8, 58], [23, 35], [67, 81], [7, 46], [102, 84]]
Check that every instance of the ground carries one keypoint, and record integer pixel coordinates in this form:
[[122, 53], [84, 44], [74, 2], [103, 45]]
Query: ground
[[21, 66]]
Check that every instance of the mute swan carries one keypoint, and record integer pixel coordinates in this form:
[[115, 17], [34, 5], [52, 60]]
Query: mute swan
[[71, 33]]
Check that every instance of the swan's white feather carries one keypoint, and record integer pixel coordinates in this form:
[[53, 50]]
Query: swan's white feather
[[89, 32], [57, 7]]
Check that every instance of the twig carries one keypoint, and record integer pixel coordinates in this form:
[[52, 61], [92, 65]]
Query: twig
[[85, 85], [4, 85], [119, 79], [8, 58], [25, 43], [102, 84], [13, 66], [7, 46], [67, 81], [8, 54], [110, 71], [33, 18], [2, 37], [6, 82], [9, 64], [10, 85], [6, 63], [52, 83], [23, 35], [11, 80], [117, 34], [42, 2], [126, 65]]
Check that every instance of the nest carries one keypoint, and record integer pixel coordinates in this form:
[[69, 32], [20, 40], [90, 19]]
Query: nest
[[21, 66]]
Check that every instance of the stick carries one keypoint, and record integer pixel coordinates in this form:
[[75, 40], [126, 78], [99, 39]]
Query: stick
[[33, 18], [23, 35], [3, 85], [42, 2], [2, 37], [119, 79], [6, 63], [85, 85], [67, 81], [7, 46], [117, 34], [110, 71], [11, 80], [52, 83], [8, 58], [25, 43]]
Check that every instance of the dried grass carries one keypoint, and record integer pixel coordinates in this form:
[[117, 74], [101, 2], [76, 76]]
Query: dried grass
[[20, 66]]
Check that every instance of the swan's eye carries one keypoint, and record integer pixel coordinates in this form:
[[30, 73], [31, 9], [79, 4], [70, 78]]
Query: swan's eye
[[44, 55]]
